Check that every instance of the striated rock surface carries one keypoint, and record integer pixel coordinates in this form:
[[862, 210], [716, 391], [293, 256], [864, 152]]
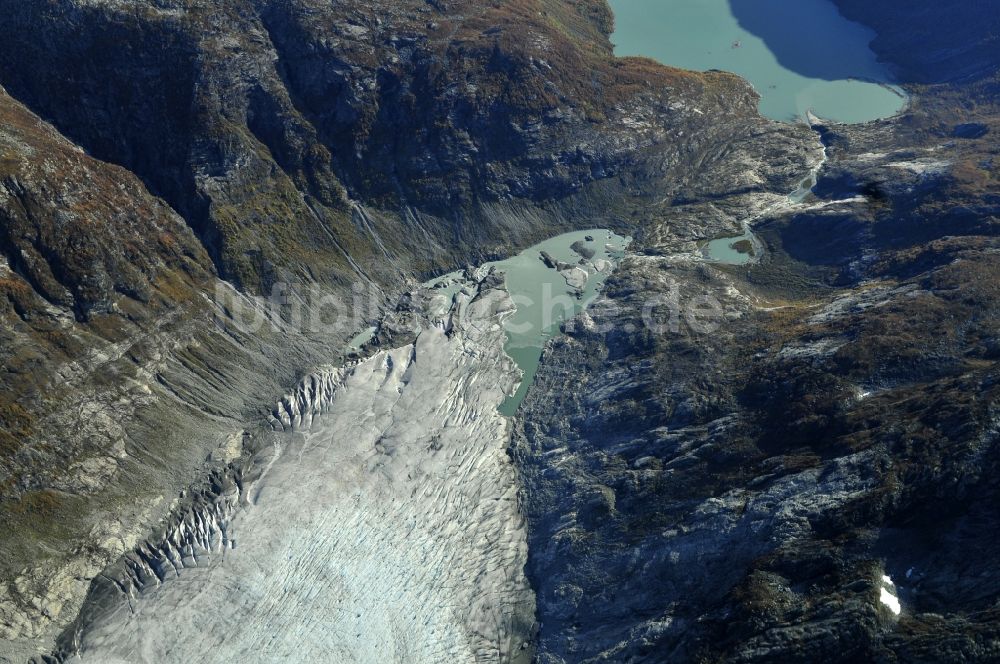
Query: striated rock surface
[[315, 138], [736, 487]]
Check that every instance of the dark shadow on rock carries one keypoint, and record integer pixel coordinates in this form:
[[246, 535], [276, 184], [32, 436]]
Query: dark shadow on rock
[[929, 41], [830, 240], [970, 130], [808, 37]]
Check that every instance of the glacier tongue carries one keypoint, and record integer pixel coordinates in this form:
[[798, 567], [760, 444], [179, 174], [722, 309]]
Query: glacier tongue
[[386, 529]]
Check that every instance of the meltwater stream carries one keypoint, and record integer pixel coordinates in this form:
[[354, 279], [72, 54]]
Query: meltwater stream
[[744, 248], [803, 58]]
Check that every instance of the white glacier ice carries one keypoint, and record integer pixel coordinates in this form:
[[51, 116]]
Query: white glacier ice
[[385, 530]]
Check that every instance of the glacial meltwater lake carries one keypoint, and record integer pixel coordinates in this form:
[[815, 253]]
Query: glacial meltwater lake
[[544, 299], [800, 55], [544, 296]]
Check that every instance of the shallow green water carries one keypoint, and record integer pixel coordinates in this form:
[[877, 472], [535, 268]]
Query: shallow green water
[[728, 250], [800, 55], [544, 300], [543, 297], [361, 338]]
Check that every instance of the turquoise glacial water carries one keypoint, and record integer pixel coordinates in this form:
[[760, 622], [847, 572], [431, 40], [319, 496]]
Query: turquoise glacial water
[[543, 296], [800, 55], [544, 300], [737, 250]]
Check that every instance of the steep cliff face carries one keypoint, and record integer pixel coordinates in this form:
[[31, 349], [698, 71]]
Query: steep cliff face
[[115, 383], [95, 275], [732, 491]]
